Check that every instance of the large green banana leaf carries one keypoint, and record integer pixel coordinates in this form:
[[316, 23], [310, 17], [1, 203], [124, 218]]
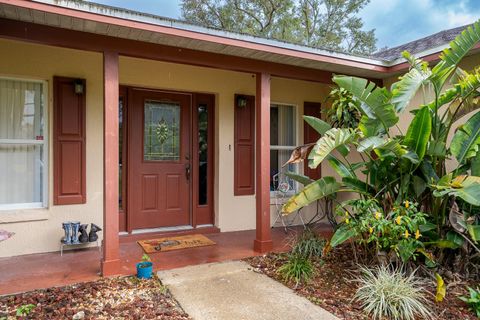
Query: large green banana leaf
[[340, 168], [321, 127], [465, 142], [474, 231], [341, 235], [464, 187], [300, 178], [461, 96], [359, 186], [391, 147], [475, 165], [419, 131], [370, 143], [314, 191], [318, 124], [375, 101], [404, 90], [450, 57], [371, 127], [331, 140], [468, 94]]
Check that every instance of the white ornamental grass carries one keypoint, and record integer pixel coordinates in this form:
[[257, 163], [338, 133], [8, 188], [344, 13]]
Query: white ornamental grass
[[388, 293]]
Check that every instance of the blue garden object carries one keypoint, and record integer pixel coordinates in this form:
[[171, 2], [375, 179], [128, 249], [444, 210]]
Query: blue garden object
[[144, 270], [67, 227], [75, 226]]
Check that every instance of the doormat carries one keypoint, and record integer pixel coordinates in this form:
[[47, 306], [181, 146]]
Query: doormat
[[175, 243]]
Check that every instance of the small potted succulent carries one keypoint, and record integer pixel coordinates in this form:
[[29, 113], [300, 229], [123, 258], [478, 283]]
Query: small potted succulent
[[145, 267]]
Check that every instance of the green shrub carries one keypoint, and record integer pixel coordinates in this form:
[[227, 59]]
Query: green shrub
[[473, 301], [397, 230], [24, 310], [297, 268], [308, 245], [386, 293]]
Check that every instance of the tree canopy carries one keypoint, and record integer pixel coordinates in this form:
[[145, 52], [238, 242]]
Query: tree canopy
[[329, 24]]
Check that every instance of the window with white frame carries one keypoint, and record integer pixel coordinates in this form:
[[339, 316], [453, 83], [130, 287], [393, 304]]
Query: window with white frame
[[23, 148], [283, 138]]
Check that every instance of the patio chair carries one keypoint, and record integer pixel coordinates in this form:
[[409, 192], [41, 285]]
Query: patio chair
[[283, 189]]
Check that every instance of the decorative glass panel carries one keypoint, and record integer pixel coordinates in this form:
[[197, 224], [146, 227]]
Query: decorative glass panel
[[161, 140], [202, 154]]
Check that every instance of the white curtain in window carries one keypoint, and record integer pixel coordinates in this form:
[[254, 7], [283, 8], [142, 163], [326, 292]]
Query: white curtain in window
[[21, 142], [286, 132]]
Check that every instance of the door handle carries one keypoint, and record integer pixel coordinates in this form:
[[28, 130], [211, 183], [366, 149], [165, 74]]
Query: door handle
[[187, 171]]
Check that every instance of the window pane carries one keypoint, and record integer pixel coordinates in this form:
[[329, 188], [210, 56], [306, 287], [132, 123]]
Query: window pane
[[22, 172], [202, 154], [22, 164], [161, 131], [21, 110], [276, 170], [282, 125], [282, 134], [274, 126]]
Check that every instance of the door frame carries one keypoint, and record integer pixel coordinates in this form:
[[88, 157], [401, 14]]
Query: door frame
[[199, 214]]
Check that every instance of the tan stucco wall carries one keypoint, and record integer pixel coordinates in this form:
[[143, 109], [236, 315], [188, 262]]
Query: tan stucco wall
[[39, 230]]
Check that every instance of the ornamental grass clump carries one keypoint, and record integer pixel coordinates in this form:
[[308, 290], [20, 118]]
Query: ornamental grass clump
[[297, 268], [388, 293], [308, 244]]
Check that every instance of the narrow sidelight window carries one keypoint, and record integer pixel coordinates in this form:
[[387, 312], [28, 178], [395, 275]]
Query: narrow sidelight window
[[203, 154]]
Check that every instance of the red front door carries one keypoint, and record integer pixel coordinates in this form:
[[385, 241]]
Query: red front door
[[159, 159]]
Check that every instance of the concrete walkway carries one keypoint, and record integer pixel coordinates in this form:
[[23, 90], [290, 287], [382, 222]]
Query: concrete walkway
[[232, 291]]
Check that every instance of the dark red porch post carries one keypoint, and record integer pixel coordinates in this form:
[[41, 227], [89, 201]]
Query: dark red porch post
[[263, 240], [110, 261]]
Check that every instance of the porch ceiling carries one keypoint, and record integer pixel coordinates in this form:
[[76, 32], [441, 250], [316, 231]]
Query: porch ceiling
[[152, 30]]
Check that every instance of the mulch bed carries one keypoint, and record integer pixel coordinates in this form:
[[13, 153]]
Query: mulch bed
[[113, 298], [332, 288]]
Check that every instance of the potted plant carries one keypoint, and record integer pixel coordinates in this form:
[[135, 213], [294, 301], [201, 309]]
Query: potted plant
[[144, 267]]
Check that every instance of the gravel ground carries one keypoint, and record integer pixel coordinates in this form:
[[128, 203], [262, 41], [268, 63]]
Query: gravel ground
[[112, 298]]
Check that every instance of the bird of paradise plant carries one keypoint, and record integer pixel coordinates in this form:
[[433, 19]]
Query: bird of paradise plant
[[398, 166]]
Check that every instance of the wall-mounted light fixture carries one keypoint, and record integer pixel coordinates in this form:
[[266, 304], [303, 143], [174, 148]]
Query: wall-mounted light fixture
[[79, 86], [241, 101]]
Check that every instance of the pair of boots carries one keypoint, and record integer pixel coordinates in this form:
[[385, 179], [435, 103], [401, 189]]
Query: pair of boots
[[72, 230]]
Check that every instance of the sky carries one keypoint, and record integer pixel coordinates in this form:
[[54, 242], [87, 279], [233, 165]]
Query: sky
[[395, 21]]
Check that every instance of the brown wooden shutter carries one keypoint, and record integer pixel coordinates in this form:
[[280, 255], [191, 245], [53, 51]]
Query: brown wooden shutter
[[310, 136], [244, 148], [69, 142]]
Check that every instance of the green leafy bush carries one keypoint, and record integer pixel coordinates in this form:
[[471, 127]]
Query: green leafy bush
[[308, 245], [297, 268], [473, 301], [387, 293], [397, 231], [24, 310]]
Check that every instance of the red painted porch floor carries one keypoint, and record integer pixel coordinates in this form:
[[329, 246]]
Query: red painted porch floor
[[36, 271]]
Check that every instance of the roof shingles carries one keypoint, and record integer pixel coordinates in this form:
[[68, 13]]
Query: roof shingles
[[420, 45]]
